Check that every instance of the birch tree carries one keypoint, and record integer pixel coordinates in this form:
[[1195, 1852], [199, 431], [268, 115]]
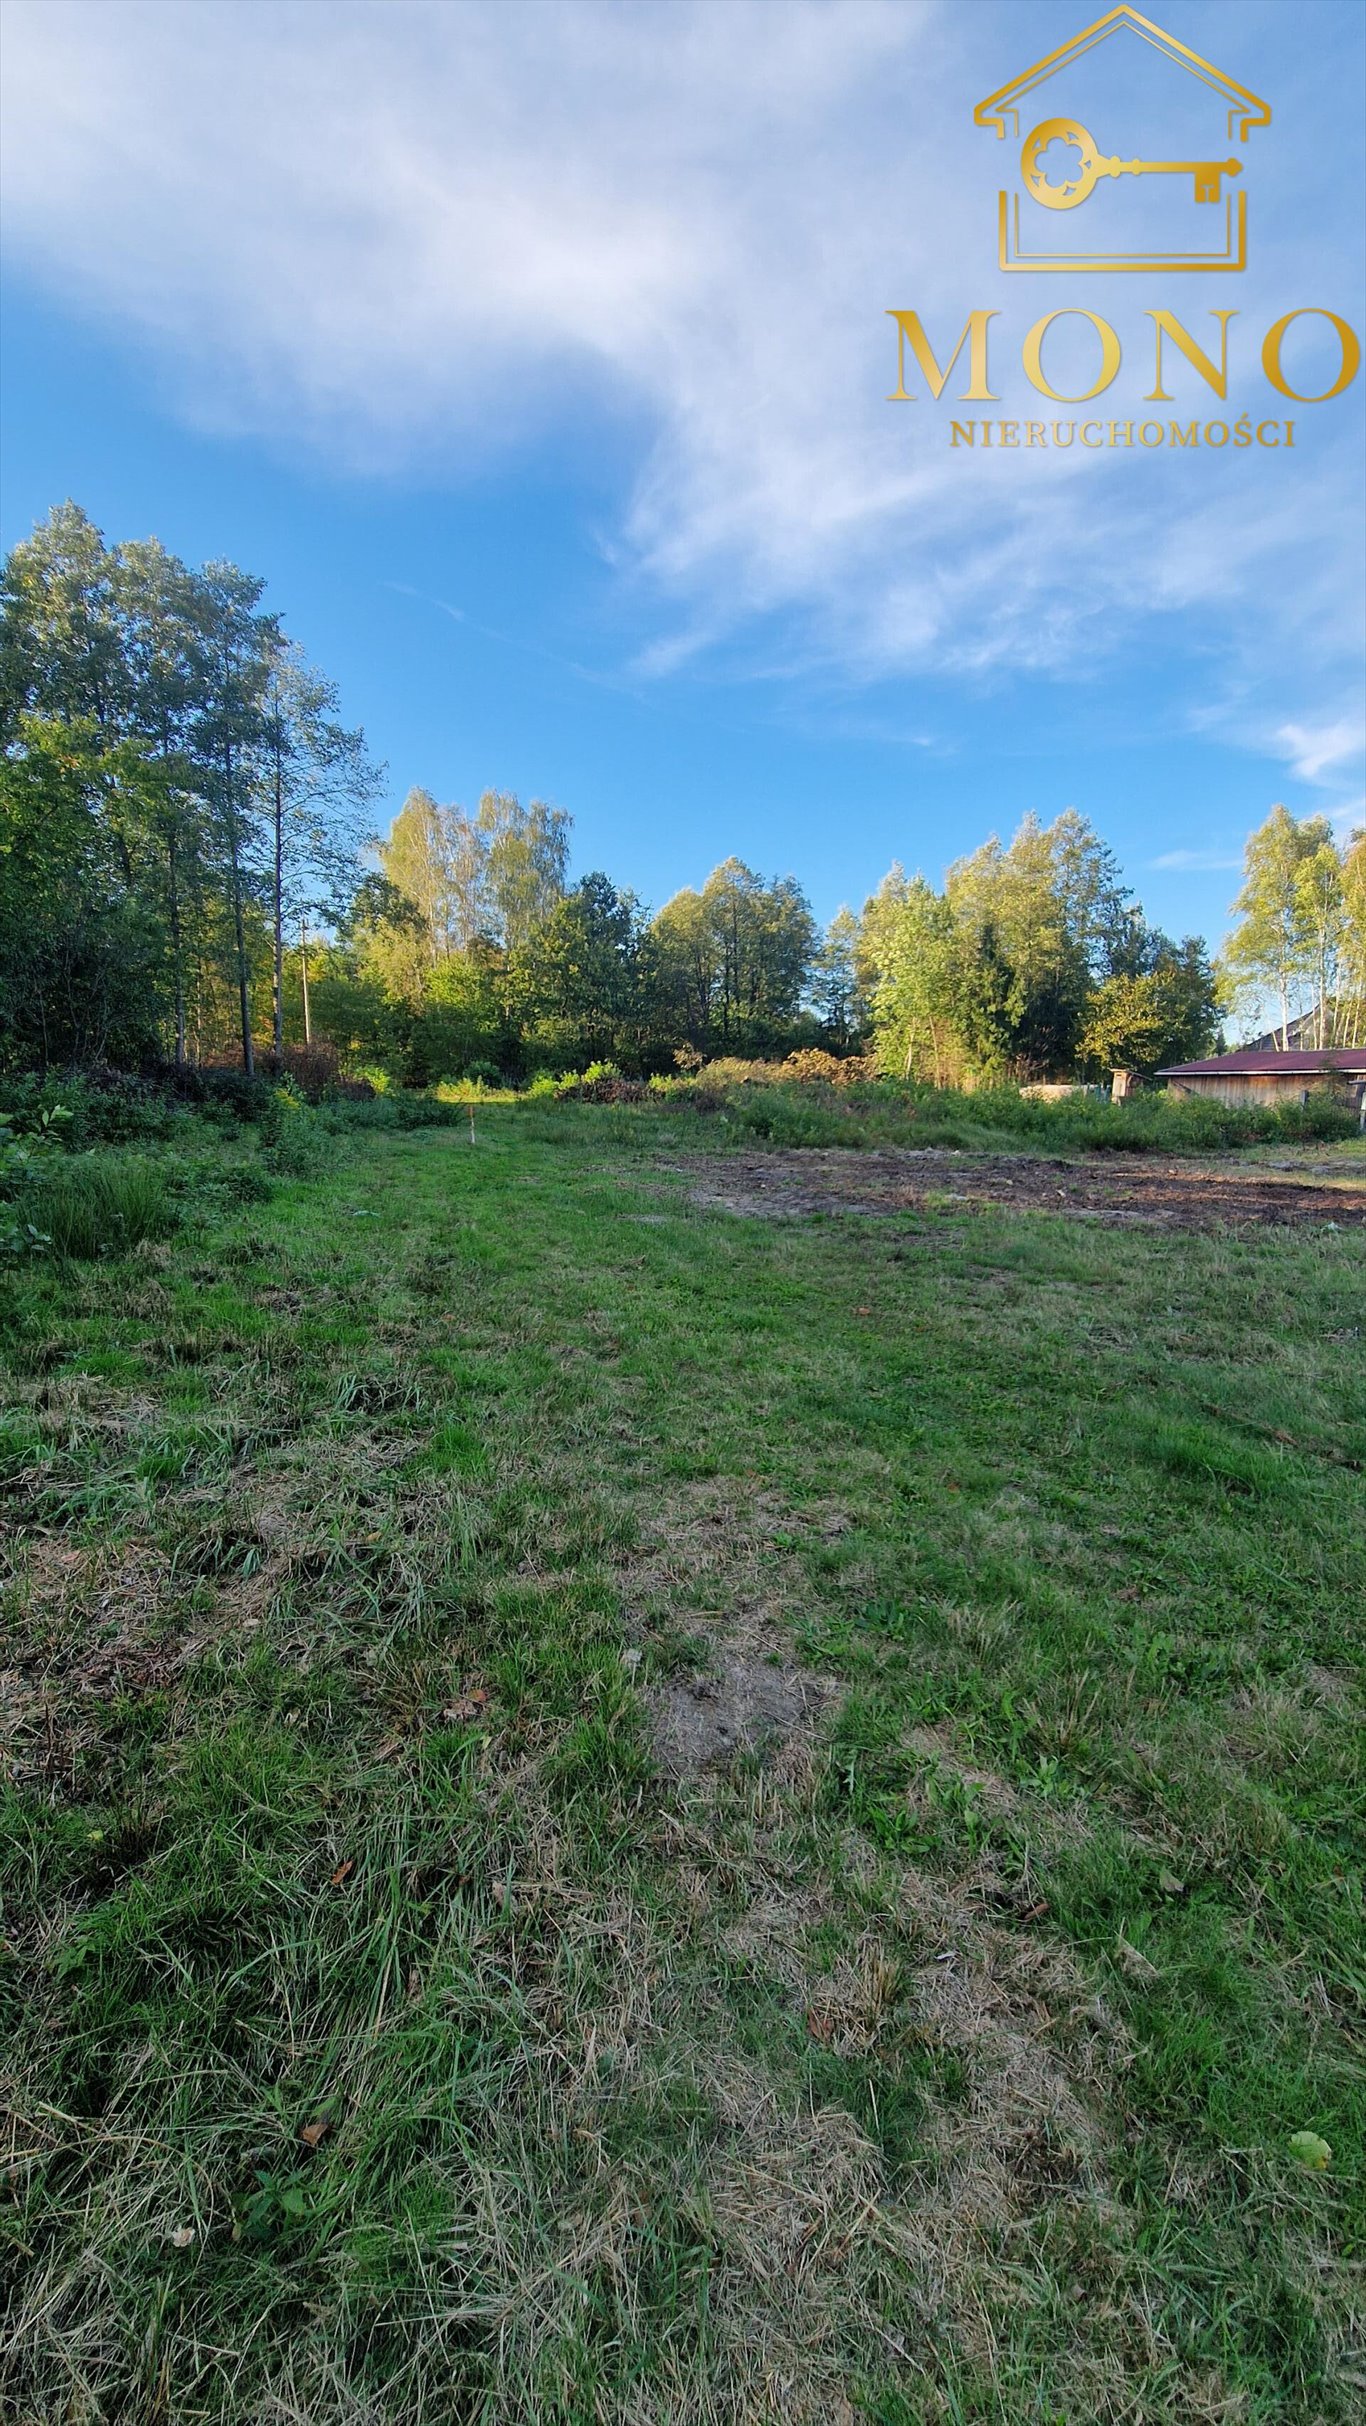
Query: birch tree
[[1270, 950]]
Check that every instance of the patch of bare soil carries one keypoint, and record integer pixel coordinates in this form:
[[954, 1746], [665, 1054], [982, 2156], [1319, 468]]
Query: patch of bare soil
[[741, 1703], [793, 1183], [706, 1566]]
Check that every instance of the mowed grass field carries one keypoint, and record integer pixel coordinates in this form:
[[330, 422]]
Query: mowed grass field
[[619, 1812]]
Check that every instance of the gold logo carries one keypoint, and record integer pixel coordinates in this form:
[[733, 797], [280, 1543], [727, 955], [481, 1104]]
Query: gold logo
[[1062, 168]]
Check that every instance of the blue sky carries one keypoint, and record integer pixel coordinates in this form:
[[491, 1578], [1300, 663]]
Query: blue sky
[[537, 355]]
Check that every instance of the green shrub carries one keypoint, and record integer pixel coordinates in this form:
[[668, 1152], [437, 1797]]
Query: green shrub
[[297, 1142], [25, 1162], [101, 1107], [224, 1094], [312, 1069], [1322, 1117]]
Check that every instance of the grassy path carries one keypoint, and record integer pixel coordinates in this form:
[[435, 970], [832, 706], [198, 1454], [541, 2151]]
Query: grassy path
[[406, 2022]]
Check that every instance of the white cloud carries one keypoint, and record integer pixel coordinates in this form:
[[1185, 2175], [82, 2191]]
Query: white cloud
[[1312, 752], [407, 234], [1197, 862]]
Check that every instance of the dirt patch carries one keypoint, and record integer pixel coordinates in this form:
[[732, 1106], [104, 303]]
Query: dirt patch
[[716, 1584], [797, 1182], [742, 1703]]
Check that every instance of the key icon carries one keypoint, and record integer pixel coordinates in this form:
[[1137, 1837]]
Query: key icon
[[1091, 167]]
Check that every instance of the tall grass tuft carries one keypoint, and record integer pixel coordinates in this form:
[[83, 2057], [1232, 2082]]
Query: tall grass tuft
[[93, 1206]]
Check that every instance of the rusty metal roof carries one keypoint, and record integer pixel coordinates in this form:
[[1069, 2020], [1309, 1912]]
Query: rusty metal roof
[[1254, 1062]]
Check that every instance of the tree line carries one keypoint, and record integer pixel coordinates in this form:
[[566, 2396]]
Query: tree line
[[188, 872], [179, 792]]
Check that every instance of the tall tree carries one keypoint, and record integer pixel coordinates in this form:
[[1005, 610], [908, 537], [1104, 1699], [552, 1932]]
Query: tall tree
[[140, 688], [1046, 912], [437, 857], [581, 986], [241, 648], [735, 959], [918, 999], [82, 953], [1270, 949], [686, 958], [526, 860], [836, 995], [1354, 938], [1167, 1011], [59, 637], [164, 676], [320, 786], [1323, 924]]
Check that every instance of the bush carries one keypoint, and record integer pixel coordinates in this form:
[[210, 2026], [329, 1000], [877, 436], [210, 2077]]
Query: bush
[[351, 1090], [24, 1164], [1323, 1117], [312, 1068], [856, 1069], [296, 1141], [602, 1083], [729, 1070], [221, 1091], [102, 1107]]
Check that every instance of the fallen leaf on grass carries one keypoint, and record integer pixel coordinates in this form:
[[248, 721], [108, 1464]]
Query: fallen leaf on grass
[[1308, 2149], [342, 1873], [469, 1706], [1170, 1884], [820, 2026], [312, 2133], [183, 2236]]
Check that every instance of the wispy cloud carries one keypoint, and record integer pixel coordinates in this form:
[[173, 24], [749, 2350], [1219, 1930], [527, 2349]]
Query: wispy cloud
[[1313, 753], [411, 234], [1348, 820], [1197, 862]]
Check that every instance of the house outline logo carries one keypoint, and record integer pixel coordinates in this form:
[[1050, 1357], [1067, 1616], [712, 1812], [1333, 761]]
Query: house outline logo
[[1055, 136]]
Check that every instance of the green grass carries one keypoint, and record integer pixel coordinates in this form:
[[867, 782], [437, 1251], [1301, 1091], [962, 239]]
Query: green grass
[[391, 2037], [98, 1205], [1154, 1122]]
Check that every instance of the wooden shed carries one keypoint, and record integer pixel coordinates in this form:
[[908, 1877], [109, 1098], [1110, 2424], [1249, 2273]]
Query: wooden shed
[[1256, 1076]]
